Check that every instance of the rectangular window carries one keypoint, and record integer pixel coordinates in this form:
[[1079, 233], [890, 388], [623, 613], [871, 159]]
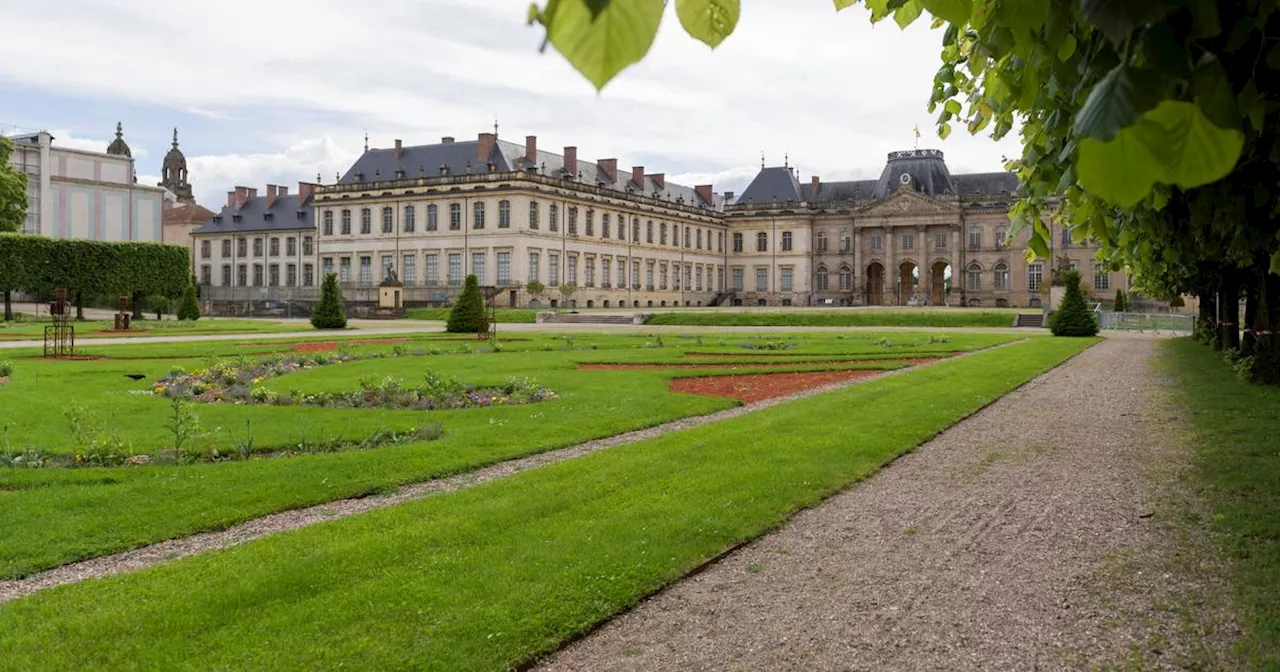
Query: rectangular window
[[206, 274], [226, 248], [1001, 233], [572, 270], [308, 275], [387, 262], [344, 269], [366, 270], [504, 268], [275, 247], [737, 242], [573, 221], [1066, 236], [675, 277], [737, 280], [877, 242], [226, 275], [662, 276], [553, 218], [762, 279], [346, 222], [762, 242], [662, 233], [291, 275], [257, 247], [328, 223], [477, 266], [604, 225], [553, 269], [635, 273], [975, 238], [786, 279], [605, 278], [648, 276], [242, 276], [533, 215], [622, 272], [1101, 278], [206, 249], [366, 221], [648, 233], [622, 228], [697, 275], [534, 271], [307, 246], [326, 266], [1002, 277], [590, 268], [477, 215], [504, 214], [433, 217], [698, 242], [786, 241], [291, 246], [635, 229], [455, 269], [431, 266], [1035, 273], [455, 216], [908, 241], [410, 219], [257, 275], [940, 241], [845, 244], [591, 223], [388, 221], [720, 241]]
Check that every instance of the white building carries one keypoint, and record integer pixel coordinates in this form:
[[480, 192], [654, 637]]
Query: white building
[[73, 193]]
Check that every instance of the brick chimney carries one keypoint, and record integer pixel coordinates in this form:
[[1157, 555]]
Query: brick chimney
[[446, 140], [399, 148], [571, 161], [637, 176], [231, 198], [484, 146], [659, 179], [704, 192], [531, 148], [610, 167], [305, 191], [282, 191], [813, 188], [243, 194], [728, 197], [271, 195]]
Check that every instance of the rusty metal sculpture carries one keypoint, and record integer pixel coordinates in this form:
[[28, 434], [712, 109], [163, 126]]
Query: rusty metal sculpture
[[123, 318], [60, 336], [491, 307]]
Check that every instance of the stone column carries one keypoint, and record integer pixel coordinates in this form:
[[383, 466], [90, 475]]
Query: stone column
[[925, 288], [891, 271], [953, 258], [858, 271]]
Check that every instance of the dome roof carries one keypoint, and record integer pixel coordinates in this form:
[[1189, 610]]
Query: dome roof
[[923, 170], [119, 147]]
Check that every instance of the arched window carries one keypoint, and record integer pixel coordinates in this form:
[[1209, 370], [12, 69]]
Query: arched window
[[846, 278], [455, 216], [477, 217], [824, 281], [504, 214], [975, 277], [1002, 276], [762, 242], [432, 217]]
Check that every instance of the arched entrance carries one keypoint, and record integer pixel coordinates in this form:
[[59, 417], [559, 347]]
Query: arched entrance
[[875, 285], [942, 276], [907, 279]]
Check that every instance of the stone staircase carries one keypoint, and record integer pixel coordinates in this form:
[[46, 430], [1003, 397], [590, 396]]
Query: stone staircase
[[590, 318], [1035, 320]]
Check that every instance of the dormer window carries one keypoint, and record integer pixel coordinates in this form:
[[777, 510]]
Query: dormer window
[[400, 174], [269, 216], [236, 218], [217, 218], [359, 177], [301, 214]]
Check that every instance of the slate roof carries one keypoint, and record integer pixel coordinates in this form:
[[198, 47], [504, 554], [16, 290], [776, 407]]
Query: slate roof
[[253, 216], [462, 157]]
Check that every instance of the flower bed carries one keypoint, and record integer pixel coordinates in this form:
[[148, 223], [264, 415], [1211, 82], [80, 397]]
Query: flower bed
[[239, 382]]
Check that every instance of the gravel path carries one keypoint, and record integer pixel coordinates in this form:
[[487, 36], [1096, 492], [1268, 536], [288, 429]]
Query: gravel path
[[1022, 538], [288, 520]]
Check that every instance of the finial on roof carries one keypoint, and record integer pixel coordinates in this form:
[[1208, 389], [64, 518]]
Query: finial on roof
[[318, 180], [366, 141], [119, 147], [468, 165], [336, 177], [495, 127], [786, 160], [175, 137], [119, 130], [422, 170], [762, 159]]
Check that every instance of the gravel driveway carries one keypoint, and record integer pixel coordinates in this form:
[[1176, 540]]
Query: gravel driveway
[[1031, 536]]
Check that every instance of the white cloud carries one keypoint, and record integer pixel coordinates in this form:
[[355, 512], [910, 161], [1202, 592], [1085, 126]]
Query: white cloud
[[831, 90]]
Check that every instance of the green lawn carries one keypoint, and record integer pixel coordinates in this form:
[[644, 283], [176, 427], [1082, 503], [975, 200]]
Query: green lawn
[[919, 317], [490, 577], [93, 328], [1238, 468], [505, 315], [58, 515]]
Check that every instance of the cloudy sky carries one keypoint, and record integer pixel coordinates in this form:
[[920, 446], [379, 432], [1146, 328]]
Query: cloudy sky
[[281, 90]]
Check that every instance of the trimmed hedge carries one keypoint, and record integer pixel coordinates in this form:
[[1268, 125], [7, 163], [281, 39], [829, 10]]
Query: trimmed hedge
[[1073, 317], [328, 313], [468, 316]]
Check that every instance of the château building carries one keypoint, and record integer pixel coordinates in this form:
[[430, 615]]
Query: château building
[[550, 229]]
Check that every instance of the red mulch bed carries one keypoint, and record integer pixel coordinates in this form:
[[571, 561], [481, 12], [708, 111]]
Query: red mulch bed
[[734, 355], [758, 387], [329, 346], [761, 365]]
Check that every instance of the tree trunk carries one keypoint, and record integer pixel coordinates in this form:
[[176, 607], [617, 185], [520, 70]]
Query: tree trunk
[[1229, 300], [8, 306], [1252, 293], [79, 306], [1266, 355], [136, 300], [1208, 314]]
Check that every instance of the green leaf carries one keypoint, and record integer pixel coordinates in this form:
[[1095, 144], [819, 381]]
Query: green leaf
[[957, 12], [845, 4], [1275, 263], [708, 21], [1023, 15], [1251, 106], [1117, 19], [1198, 152], [1068, 48], [944, 130], [1121, 170], [1213, 94], [952, 106], [906, 14], [602, 47], [1036, 245], [1117, 101]]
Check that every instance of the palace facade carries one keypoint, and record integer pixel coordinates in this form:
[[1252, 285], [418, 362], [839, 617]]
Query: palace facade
[[549, 229]]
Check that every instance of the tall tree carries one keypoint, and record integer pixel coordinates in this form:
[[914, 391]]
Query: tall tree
[[13, 191], [1149, 126]]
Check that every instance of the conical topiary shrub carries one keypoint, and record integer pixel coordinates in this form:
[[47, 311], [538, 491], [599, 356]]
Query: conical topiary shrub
[[328, 312], [467, 316], [189, 308], [1073, 317], [1121, 304]]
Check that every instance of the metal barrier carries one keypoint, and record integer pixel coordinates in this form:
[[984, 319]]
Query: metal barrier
[[1148, 322]]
